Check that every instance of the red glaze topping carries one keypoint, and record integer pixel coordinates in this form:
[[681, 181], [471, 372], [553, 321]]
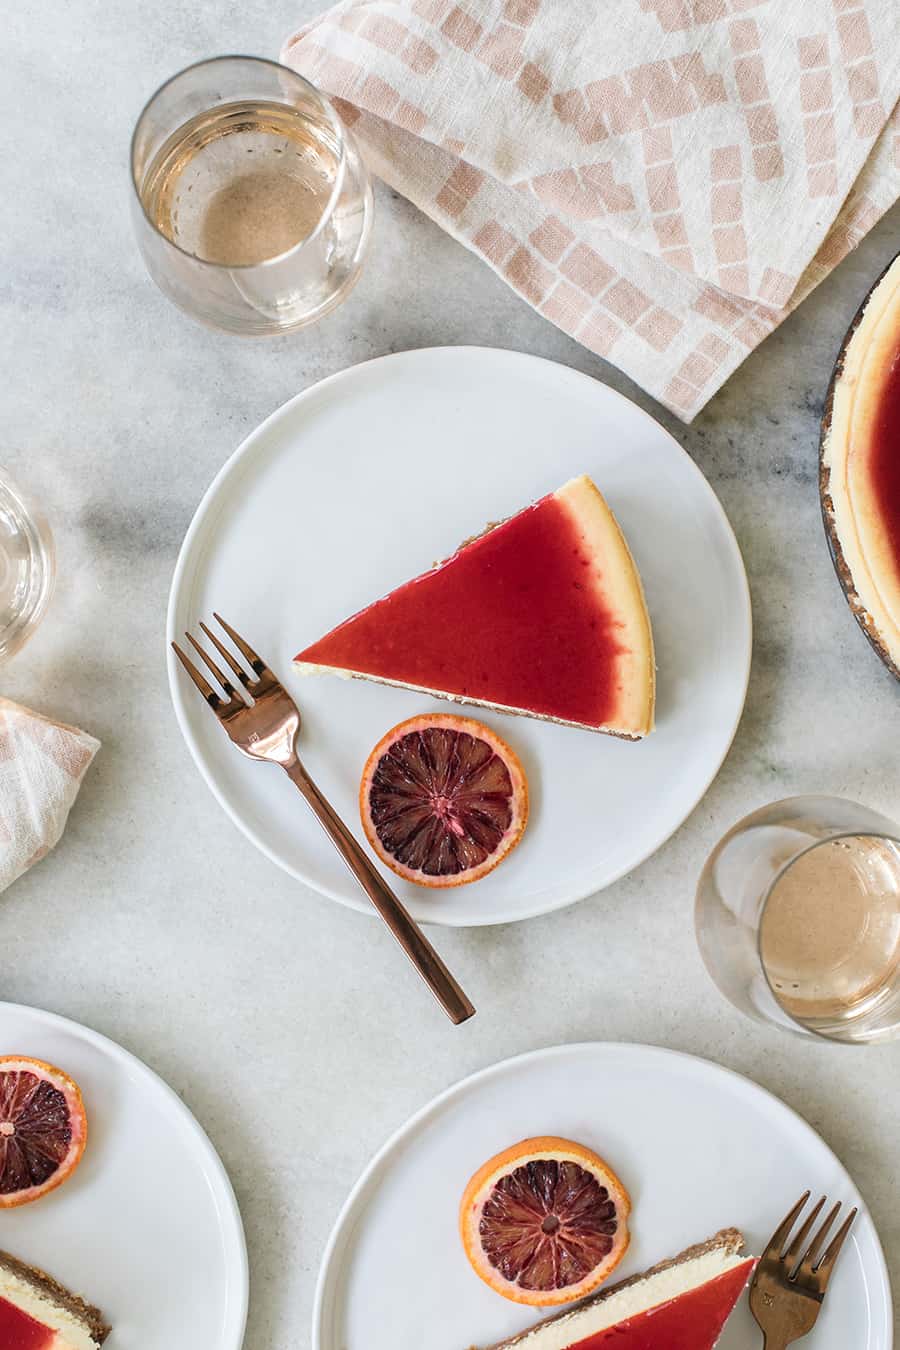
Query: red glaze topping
[[692, 1321], [18, 1331], [885, 457], [512, 618]]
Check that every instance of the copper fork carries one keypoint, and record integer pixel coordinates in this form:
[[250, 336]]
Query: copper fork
[[263, 723], [789, 1283]]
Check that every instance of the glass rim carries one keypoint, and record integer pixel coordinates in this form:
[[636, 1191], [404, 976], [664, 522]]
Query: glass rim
[[783, 869], [16, 634], [333, 118], [10, 486]]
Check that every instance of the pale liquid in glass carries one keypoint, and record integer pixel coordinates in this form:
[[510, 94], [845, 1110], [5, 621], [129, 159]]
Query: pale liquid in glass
[[245, 182], [830, 933]]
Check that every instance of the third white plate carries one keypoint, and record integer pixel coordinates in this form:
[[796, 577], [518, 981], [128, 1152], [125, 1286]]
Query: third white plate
[[698, 1147]]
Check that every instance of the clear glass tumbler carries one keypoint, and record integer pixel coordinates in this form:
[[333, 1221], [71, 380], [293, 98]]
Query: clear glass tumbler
[[27, 567], [251, 204], [798, 918]]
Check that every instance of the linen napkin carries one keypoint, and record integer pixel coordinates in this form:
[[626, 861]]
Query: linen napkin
[[663, 179], [42, 764]]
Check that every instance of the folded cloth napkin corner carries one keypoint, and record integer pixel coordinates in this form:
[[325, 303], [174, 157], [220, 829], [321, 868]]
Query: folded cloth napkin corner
[[665, 180], [42, 764]]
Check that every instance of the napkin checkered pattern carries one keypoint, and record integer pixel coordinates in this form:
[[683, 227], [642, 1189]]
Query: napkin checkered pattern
[[42, 764], [663, 179]]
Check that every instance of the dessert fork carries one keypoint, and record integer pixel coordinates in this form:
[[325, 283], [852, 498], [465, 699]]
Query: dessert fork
[[264, 725], [789, 1285]]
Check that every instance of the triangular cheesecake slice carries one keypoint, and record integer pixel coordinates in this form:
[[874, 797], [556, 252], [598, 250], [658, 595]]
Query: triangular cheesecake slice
[[542, 615], [37, 1313], [682, 1304]]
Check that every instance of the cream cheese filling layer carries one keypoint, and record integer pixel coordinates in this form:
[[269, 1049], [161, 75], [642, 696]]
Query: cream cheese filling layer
[[619, 588], [71, 1334], [636, 1298]]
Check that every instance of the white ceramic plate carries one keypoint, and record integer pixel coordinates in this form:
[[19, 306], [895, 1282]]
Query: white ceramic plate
[[362, 482], [148, 1227], [698, 1147]]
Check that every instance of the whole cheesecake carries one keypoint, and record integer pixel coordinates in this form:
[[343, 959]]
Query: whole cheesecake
[[541, 615], [37, 1313], [681, 1304], [860, 467]]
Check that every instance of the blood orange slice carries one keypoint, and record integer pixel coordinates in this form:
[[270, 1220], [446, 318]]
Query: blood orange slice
[[545, 1222], [443, 799], [43, 1129]]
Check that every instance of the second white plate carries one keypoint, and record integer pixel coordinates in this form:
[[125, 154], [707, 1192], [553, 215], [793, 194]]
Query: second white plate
[[360, 483], [698, 1147]]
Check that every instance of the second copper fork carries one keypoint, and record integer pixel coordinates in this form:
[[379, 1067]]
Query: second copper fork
[[263, 722], [790, 1281]]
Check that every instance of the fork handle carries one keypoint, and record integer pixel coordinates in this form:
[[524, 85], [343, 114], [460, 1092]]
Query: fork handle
[[407, 932]]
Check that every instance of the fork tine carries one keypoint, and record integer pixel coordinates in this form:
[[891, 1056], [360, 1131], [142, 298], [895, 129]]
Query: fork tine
[[782, 1232], [202, 684], [826, 1265], [794, 1253], [219, 674], [809, 1260], [243, 647], [226, 654]]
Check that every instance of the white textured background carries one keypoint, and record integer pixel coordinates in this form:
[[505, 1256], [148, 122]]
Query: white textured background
[[287, 1024]]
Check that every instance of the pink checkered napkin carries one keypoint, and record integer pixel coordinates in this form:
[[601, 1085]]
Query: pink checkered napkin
[[663, 179], [42, 764]]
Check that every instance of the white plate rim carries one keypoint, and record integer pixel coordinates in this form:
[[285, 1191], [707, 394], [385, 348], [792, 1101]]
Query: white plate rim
[[347, 1213], [199, 521], [238, 1279]]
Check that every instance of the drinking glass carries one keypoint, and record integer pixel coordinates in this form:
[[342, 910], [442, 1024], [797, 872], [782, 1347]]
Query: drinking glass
[[798, 918], [251, 205], [27, 567]]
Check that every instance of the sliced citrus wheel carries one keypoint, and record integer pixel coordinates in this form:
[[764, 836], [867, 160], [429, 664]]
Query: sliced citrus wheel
[[43, 1129], [443, 799], [544, 1222]]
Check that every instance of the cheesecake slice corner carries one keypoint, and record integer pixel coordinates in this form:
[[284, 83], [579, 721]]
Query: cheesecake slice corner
[[38, 1313]]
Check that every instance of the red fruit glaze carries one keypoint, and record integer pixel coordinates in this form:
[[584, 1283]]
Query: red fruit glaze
[[18, 1331], [885, 457], [513, 618], [693, 1321]]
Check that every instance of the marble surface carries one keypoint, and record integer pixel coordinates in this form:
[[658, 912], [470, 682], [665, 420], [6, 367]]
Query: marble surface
[[286, 1023]]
